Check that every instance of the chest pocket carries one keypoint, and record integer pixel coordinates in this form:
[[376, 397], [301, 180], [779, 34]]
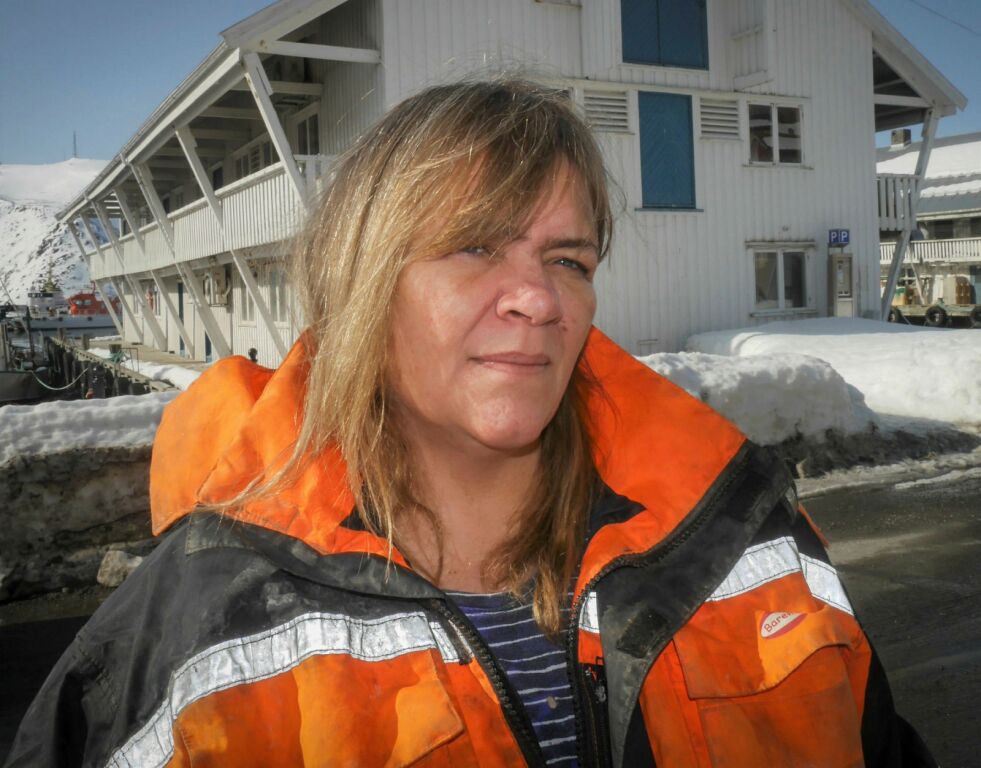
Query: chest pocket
[[768, 672]]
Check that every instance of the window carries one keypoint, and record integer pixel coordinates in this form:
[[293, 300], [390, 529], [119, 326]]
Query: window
[[278, 295], [248, 305], [670, 33], [940, 229], [308, 136], [255, 158], [781, 279], [775, 134], [152, 298], [667, 153]]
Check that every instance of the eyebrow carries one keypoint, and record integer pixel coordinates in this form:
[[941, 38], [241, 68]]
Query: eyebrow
[[580, 243]]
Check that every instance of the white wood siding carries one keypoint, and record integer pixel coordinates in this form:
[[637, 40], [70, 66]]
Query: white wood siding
[[670, 274], [432, 41], [675, 274], [353, 93]]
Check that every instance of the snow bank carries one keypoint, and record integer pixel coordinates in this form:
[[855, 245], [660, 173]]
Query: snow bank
[[177, 375], [771, 399], [904, 372], [126, 421]]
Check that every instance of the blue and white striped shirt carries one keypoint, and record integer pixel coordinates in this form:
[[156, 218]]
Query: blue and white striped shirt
[[535, 667]]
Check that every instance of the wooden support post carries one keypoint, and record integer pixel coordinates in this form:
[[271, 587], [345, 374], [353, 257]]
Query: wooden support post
[[116, 320], [211, 327], [131, 221], [921, 296], [127, 309], [138, 327], [255, 76], [138, 239], [174, 314], [144, 180], [70, 226], [930, 120], [187, 143], [253, 288], [159, 337]]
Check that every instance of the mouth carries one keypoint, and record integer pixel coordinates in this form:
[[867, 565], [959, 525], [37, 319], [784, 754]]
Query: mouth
[[514, 361]]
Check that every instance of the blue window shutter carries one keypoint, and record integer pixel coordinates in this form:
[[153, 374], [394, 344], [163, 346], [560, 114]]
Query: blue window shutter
[[638, 22], [672, 33], [684, 33], [667, 152]]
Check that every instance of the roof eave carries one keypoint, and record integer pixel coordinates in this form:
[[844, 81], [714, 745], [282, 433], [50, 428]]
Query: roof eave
[[214, 72], [902, 56]]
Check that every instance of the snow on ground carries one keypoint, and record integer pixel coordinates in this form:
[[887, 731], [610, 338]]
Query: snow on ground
[[31, 242], [126, 421], [944, 468], [771, 398], [52, 184], [177, 375], [906, 374]]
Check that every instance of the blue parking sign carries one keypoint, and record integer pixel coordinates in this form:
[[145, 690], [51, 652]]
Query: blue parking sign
[[839, 237]]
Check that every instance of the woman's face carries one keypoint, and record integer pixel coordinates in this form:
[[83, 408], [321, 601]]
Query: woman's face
[[483, 345]]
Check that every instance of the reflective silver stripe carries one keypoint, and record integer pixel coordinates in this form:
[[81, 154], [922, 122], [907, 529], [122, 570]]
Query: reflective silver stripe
[[758, 565], [778, 558], [824, 583], [589, 614], [269, 653]]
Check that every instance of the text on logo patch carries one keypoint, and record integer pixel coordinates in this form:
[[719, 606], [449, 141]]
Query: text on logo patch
[[779, 623]]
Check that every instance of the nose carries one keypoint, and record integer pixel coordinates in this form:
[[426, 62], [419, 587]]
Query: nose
[[530, 294]]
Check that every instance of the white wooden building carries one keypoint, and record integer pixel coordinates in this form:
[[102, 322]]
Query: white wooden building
[[739, 132], [945, 250]]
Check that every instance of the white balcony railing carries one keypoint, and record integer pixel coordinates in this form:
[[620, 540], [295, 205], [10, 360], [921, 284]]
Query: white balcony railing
[[962, 250], [261, 208], [896, 201]]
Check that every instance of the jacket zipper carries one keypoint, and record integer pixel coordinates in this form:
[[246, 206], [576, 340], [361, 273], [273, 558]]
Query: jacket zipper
[[514, 713], [594, 748]]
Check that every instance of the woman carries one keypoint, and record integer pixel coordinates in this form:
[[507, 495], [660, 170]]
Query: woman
[[457, 526]]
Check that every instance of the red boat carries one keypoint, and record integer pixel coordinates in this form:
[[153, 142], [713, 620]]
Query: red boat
[[87, 303]]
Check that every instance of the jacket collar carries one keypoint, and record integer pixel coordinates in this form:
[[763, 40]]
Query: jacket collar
[[654, 444]]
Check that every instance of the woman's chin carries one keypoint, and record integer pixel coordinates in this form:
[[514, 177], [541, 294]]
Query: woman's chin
[[516, 439]]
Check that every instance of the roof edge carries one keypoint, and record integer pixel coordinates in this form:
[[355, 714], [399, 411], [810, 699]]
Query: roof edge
[[160, 115], [945, 94]]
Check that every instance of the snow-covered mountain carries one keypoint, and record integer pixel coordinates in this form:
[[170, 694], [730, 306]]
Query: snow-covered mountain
[[30, 239]]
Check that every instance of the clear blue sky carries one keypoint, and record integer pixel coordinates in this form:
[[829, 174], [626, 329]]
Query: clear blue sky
[[101, 67]]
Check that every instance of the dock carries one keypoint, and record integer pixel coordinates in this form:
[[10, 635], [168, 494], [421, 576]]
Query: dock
[[105, 368]]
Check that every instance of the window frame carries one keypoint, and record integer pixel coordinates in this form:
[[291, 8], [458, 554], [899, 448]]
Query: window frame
[[249, 310], [259, 149], [774, 107], [781, 249], [280, 297], [300, 124], [152, 297]]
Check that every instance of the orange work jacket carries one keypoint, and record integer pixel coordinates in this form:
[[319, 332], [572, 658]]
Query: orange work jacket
[[709, 627]]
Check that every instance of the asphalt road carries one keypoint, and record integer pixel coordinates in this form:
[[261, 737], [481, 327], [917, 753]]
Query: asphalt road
[[910, 559]]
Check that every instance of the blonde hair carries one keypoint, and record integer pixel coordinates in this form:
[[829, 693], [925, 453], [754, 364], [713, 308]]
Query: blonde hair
[[449, 167]]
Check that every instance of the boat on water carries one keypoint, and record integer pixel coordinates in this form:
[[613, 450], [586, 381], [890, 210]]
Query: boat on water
[[48, 309]]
